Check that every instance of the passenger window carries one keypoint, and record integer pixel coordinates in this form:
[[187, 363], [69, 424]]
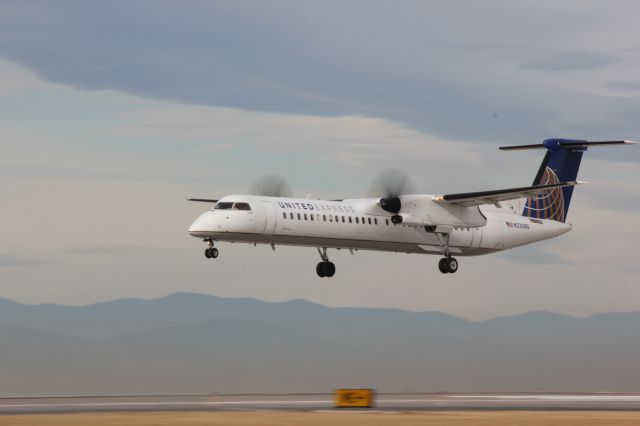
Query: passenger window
[[284, 215], [241, 206], [311, 217], [299, 216], [342, 219], [324, 217], [305, 216], [387, 221], [363, 221], [224, 206], [357, 220], [369, 220], [375, 220], [291, 215], [330, 218]]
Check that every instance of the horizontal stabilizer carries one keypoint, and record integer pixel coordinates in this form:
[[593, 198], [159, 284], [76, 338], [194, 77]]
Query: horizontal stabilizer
[[469, 199], [554, 144], [203, 200]]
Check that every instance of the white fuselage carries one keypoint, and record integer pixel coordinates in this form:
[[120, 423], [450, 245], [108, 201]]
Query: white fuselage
[[361, 224]]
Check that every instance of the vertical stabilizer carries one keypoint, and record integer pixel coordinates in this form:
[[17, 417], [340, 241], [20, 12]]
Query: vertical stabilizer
[[560, 164]]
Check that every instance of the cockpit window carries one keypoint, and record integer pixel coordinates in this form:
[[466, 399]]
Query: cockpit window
[[223, 206], [241, 206]]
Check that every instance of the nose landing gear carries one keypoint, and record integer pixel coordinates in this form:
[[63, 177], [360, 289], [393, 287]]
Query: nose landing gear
[[325, 268], [210, 252]]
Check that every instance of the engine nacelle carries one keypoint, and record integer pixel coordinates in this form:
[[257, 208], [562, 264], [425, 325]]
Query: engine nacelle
[[391, 204]]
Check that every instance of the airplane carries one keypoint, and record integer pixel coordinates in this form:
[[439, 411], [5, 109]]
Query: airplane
[[462, 224]]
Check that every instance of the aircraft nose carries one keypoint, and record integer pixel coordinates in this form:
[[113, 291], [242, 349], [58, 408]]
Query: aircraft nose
[[193, 227], [199, 225]]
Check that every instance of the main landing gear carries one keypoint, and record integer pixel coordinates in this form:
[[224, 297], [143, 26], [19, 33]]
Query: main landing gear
[[448, 264], [325, 268], [210, 252]]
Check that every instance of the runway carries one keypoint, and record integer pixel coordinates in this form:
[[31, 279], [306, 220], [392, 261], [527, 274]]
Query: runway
[[319, 402]]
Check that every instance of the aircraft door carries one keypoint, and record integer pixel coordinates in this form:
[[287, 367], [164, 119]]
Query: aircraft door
[[270, 218], [476, 237]]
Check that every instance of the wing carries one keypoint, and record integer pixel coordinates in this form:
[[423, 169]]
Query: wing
[[203, 200], [469, 199]]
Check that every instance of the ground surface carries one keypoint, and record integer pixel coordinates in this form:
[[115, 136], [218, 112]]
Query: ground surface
[[283, 418], [407, 402]]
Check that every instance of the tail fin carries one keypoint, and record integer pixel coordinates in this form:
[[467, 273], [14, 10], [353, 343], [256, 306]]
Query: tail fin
[[560, 164]]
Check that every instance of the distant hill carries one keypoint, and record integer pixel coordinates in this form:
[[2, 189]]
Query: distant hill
[[197, 343]]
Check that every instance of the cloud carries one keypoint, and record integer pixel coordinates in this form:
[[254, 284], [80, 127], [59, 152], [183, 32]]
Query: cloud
[[406, 64], [534, 254], [625, 86], [572, 61], [620, 196], [612, 185], [117, 250], [354, 141], [125, 137], [11, 260], [217, 148]]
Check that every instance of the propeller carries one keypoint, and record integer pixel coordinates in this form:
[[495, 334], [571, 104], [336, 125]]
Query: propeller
[[271, 186], [391, 184]]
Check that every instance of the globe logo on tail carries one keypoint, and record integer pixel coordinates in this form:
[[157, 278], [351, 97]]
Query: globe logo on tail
[[548, 204]]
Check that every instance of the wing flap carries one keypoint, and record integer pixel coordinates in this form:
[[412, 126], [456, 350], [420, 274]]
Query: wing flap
[[468, 199]]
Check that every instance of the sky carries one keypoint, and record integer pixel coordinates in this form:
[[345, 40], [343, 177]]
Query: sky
[[113, 113]]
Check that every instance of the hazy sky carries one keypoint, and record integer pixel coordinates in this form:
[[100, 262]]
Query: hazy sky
[[112, 113]]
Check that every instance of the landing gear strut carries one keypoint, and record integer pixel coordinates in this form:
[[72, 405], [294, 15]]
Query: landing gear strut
[[210, 252], [325, 268], [448, 264]]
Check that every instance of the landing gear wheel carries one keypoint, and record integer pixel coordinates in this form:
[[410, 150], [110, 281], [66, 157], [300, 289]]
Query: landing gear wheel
[[330, 269], [442, 265], [326, 269], [211, 253], [452, 265], [448, 265]]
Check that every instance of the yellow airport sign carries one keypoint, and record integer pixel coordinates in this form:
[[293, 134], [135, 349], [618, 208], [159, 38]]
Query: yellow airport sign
[[347, 398]]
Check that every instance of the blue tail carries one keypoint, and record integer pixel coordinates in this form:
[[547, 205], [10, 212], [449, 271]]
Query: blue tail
[[560, 164]]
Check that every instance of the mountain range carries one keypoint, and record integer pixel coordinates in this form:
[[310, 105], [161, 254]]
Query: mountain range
[[194, 343]]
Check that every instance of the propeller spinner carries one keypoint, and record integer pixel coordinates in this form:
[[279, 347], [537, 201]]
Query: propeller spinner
[[391, 184]]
